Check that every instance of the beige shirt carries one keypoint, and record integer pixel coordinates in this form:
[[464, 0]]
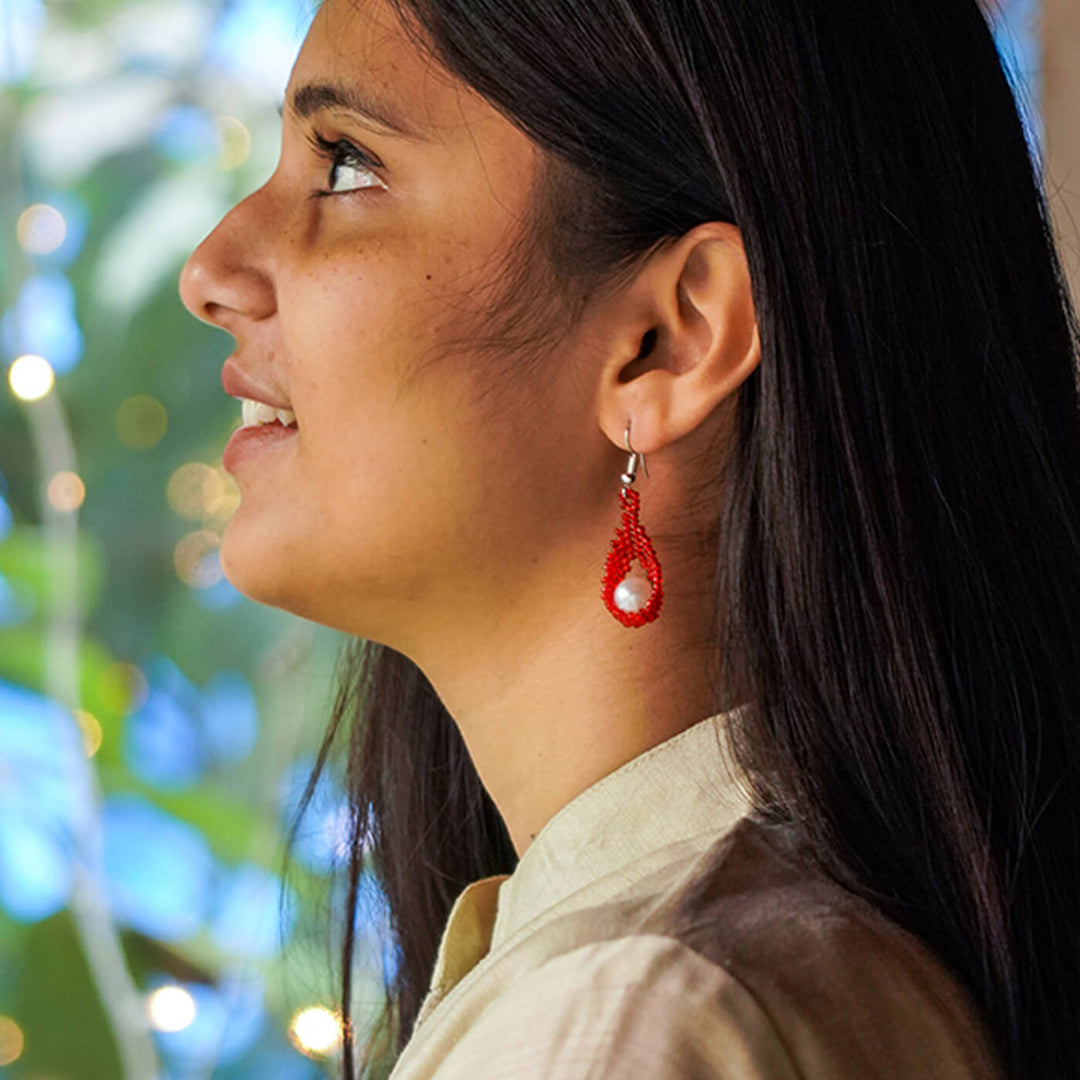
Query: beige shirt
[[585, 962]]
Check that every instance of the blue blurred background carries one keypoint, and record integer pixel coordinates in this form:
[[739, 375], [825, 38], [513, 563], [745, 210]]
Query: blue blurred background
[[156, 728]]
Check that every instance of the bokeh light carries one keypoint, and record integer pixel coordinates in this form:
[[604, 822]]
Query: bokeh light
[[234, 142], [221, 496], [229, 1017], [315, 1030], [31, 377], [91, 730], [196, 559], [186, 490], [40, 229], [122, 687], [11, 1040], [75, 214], [170, 1008], [66, 491], [196, 492], [141, 422]]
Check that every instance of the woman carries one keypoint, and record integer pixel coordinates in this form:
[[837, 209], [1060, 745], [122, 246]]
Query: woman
[[682, 416]]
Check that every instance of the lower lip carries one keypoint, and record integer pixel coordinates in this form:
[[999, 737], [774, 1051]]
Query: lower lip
[[247, 442]]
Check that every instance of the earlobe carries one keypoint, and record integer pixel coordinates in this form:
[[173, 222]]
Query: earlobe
[[689, 339]]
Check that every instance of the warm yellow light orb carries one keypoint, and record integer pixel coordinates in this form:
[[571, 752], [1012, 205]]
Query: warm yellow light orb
[[141, 422], [90, 727], [315, 1030], [198, 491], [170, 1008], [31, 377], [190, 488], [66, 491], [11, 1040], [221, 496], [40, 229]]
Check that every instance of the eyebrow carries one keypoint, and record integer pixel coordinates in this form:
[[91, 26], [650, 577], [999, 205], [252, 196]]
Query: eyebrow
[[314, 97]]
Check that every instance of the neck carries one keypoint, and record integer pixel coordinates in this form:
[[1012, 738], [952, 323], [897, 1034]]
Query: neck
[[557, 703]]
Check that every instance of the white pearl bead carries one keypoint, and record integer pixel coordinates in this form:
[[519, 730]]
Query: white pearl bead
[[633, 592]]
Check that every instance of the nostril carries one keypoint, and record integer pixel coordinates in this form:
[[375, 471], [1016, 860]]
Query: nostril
[[223, 297], [195, 290], [222, 282]]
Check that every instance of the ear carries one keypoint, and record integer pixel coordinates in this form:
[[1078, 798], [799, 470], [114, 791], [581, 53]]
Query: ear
[[685, 338]]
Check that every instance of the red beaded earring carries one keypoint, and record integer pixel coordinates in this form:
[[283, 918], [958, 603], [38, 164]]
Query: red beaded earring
[[634, 598]]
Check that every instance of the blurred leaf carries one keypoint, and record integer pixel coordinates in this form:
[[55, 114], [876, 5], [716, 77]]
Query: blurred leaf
[[25, 558], [57, 1006]]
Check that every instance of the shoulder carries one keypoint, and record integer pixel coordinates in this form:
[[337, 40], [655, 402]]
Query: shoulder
[[851, 993]]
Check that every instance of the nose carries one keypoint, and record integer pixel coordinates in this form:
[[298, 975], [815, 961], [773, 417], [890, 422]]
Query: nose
[[226, 280]]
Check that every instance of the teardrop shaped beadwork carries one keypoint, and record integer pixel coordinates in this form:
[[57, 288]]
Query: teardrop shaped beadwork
[[631, 544]]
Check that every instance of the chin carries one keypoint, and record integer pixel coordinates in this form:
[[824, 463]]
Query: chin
[[262, 570], [254, 569]]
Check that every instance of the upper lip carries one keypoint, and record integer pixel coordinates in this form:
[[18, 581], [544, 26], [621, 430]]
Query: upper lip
[[239, 384]]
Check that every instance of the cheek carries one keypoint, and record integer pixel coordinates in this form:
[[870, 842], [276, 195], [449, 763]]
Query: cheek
[[365, 312], [373, 323], [384, 412], [415, 462]]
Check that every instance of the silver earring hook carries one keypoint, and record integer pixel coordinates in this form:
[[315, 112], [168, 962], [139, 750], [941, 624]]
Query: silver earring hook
[[631, 468]]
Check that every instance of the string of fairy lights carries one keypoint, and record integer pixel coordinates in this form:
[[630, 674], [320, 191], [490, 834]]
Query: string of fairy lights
[[195, 492], [314, 1029]]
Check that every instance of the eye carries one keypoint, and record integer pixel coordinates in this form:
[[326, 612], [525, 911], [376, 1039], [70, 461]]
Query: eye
[[350, 168]]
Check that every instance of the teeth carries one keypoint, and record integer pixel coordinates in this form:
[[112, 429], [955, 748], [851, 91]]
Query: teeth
[[256, 413]]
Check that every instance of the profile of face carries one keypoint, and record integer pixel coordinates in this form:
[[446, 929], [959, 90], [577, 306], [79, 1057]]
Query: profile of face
[[425, 485], [344, 283]]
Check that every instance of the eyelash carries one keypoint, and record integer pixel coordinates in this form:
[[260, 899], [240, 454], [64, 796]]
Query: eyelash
[[341, 152]]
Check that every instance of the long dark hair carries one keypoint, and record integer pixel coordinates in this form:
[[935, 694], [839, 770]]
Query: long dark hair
[[898, 559]]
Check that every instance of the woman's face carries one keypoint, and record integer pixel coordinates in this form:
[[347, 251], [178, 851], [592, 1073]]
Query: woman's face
[[424, 486]]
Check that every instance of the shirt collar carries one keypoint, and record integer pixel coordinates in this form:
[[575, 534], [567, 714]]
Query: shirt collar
[[684, 788], [681, 788]]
